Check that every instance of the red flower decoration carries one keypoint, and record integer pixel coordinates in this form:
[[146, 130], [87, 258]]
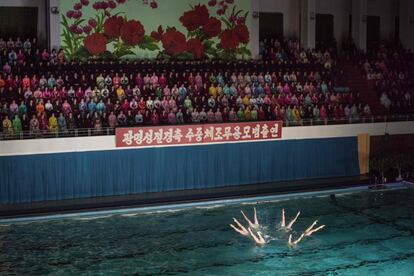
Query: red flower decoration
[[77, 14], [241, 20], [190, 21], [120, 1], [92, 23], [96, 5], [87, 29], [229, 40], [69, 14], [77, 6], [132, 32], [212, 3], [174, 42], [195, 47], [111, 4], [104, 5], [95, 44], [78, 30], [195, 18], [157, 35], [154, 5], [220, 12], [112, 26], [85, 2], [229, 1], [202, 14], [73, 28], [212, 28], [242, 33]]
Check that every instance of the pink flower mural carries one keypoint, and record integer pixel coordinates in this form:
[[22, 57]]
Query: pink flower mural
[[223, 34]]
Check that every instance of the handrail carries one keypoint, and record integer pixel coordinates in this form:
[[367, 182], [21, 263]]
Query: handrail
[[84, 132]]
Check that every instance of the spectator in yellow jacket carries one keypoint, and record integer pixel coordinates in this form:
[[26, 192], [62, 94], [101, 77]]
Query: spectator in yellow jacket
[[53, 124]]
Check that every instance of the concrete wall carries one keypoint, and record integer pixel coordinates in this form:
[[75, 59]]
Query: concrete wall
[[386, 10], [54, 30], [290, 10], [340, 9], [82, 144], [41, 7], [407, 23]]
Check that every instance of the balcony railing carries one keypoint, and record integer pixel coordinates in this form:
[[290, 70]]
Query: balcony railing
[[82, 132]]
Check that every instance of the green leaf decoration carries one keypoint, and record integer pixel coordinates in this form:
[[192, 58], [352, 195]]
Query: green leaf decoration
[[147, 39], [82, 53], [79, 21], [184, 56], [209, 48], [107, 55], [208, 44], [228, 24], [64, 21], [99, 19], [118, 13], [243, 51], [68, 38], [124, 52], [149, 46], [211, 52]]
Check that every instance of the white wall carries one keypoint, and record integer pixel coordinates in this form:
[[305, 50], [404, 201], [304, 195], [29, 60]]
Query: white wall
[[359, 24], [386, 10], [40, 4], [82, 144], [54, 30], [290, 10], [407, 23], [340, 9], [254, 36]]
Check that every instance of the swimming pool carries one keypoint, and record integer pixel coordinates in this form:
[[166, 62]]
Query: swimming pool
[[367, 233]]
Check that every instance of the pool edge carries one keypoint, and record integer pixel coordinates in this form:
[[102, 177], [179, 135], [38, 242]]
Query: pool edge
[[195, 204]]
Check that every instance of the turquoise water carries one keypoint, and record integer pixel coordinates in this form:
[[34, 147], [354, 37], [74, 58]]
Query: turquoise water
[[369, 233]]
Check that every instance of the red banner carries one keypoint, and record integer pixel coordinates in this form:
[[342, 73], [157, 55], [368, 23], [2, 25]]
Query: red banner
[[197, 134]]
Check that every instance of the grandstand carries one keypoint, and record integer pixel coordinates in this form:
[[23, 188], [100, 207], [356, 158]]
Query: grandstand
[[123, 108]]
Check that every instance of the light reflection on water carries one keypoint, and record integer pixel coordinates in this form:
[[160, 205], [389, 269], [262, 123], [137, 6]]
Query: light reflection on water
[[367, 234]]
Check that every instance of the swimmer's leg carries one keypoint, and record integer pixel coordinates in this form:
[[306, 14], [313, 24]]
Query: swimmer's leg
[[283, 223], [293, 221]]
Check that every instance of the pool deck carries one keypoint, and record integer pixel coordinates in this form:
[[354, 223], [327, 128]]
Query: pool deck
[[179, 197], [134, 210]]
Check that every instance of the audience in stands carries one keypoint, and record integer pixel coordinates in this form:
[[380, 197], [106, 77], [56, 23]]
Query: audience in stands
[[389, 68], [42, 92], [289, 50]]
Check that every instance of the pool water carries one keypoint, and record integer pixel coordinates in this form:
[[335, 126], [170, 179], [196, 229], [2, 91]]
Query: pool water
[[369, 233]]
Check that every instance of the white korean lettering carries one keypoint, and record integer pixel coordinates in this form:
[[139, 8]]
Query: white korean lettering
[[275, 131], [246, 132], [128, 138], [256, 132], [218, 135], [227, 133]]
